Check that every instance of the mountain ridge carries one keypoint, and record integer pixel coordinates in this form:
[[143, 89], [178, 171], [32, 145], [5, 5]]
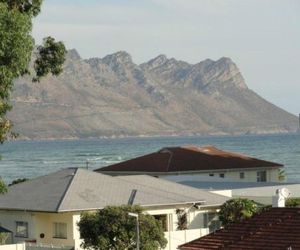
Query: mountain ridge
[[113, 96]]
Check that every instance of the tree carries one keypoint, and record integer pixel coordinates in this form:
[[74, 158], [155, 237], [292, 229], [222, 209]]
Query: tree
[[3, 187], [112, 228], [235, 210], [281, 174], [292, 202], [16, 47]]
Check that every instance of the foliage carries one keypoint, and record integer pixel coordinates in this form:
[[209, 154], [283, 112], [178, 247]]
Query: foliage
[[236, 210], [112, 228], [181, 219], [3, 187], [281, 174], [16, 181], [50, 58], [16, 47], [3, 238], [292, 202]]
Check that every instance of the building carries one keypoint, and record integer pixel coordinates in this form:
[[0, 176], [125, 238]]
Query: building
[[191, 161], [46, 210], [261, 192], [277, 228]]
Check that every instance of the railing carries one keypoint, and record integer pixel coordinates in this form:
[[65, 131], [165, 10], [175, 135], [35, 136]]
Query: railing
[[42, 246]]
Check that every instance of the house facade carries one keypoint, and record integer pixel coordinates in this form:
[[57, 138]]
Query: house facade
[[46, 210], [188, 162]]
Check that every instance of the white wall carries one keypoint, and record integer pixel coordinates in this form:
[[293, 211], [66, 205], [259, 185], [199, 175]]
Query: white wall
[[176, 238], [234, 175], [43, 223], [20, 246]]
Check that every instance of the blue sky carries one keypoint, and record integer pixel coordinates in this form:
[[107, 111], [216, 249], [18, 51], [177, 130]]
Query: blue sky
[[261, 36]]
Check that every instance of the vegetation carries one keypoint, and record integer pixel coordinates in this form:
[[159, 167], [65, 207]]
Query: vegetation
[[16, 49], [181, 219], [3, 187], [112, 228], [236, 210], [20, 180], [292, 202], [281, 174]]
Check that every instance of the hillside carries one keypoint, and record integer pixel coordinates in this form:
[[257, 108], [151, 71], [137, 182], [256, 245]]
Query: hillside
[[113, 96]]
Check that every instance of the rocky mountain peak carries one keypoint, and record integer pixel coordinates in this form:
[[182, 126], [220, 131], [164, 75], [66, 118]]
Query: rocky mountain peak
[[157, 61], [120, 57], [73, 55], [115, 97]]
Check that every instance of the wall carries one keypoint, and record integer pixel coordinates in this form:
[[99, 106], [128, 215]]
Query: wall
[[20, 246], [195, 219], [176, 238], [8, 220], [250, 176], [38, 223], [43, 223]]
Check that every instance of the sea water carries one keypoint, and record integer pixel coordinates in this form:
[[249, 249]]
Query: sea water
[[29, 159]]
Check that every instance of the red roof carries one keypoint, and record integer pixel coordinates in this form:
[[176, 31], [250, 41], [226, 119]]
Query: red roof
[[188, 158], [277, 228]]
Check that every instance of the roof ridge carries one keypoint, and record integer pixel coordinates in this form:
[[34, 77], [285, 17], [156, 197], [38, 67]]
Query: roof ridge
[[67, 190]]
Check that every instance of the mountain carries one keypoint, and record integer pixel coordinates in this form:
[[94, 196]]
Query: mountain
[[113, 96]]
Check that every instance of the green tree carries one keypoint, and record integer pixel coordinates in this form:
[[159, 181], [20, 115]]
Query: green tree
[[292, 202], [281, 174], [112, 228], [3, 187], [236, 210], [16, 48]]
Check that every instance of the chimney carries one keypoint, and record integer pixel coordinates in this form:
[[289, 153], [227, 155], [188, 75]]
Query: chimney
[[278, 200]]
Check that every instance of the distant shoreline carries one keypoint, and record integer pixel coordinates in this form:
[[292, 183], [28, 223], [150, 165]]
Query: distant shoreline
[[154, 136]]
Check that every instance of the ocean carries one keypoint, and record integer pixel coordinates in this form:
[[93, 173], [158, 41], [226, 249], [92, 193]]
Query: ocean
[[29, 159]]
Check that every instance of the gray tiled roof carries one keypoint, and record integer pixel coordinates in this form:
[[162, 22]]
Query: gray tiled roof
[[78, 189]]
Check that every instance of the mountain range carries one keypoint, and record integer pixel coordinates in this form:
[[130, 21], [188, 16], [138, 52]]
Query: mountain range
[[113, 96]]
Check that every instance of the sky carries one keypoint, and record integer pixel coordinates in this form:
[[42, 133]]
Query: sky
[[261, 36]]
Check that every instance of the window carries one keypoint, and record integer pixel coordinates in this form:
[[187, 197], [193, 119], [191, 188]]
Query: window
[[261, 176], [60, 230], [222, 175], [22, 229], [211, 174], [162, 218], [242, 175]]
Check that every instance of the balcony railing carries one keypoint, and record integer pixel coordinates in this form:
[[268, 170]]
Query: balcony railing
[[42, 246]]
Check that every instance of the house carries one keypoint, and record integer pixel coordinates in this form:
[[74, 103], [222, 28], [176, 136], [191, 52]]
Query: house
[[276, 228], [261, 192], [46, 210], [191, 161]]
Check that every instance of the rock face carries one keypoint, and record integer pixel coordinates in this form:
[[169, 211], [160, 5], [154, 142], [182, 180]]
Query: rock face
[[113, 96]]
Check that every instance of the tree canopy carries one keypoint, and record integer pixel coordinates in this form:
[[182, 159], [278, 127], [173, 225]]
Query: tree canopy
[[235, 210], [112, 228], [16, 49]]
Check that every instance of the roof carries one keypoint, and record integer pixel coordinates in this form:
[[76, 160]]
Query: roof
[[76, 189], [4, 230], [277, 228], [188, 158]]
